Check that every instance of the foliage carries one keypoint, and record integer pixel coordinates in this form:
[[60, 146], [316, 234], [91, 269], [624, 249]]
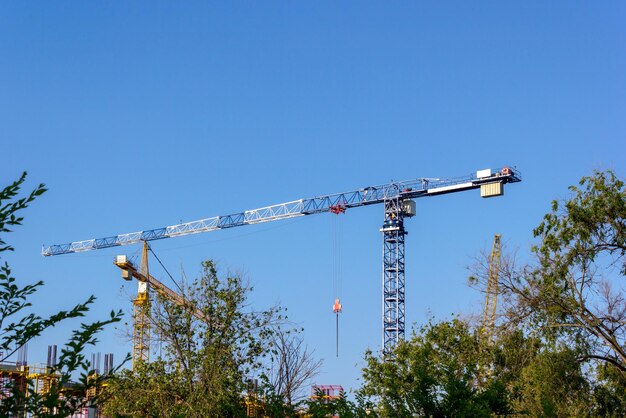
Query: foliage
[[446, 370], [582, 251], [553, 385], [573, 293], [435, 373], [59, 400], [560, 343], [156, 392], [592, 222], [206, 362], [322, 406], [609, 393]]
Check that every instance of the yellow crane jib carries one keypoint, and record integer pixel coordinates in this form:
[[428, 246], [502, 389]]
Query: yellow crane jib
[[141, 313], [129, 271]]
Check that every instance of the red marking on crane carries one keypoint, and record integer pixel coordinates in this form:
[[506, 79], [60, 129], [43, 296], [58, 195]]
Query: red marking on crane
[[337, 209]]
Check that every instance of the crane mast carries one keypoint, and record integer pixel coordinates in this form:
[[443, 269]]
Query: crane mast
[[393, 231], [141, 314], [396, 197], [491, 296]]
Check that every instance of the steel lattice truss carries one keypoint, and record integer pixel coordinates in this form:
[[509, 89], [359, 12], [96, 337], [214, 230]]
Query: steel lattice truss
[[391, 194], [393, 274], [491, 294], [409, 189]]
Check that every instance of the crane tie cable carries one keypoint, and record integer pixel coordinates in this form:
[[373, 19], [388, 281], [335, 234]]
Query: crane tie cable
[[168, 273]]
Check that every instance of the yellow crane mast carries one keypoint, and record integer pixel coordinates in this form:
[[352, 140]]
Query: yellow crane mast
[[141, 316], [491, 297]]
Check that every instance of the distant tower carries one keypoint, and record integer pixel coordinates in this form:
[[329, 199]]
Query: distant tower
[[491, 297]]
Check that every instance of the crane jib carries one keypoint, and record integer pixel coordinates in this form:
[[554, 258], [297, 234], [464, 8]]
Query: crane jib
[[409, 189]]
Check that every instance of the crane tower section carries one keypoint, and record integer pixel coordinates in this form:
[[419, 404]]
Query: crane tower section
[[396, 209]]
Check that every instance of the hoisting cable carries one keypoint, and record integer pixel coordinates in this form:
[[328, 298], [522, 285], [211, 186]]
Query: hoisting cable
[[336, 249], [175, 284], [168, 273]]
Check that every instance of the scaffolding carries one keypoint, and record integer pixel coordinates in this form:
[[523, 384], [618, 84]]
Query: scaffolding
[[326, 392], [40, 379]]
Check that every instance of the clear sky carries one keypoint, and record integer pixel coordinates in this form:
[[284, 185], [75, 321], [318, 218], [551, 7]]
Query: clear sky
[[139, 115]]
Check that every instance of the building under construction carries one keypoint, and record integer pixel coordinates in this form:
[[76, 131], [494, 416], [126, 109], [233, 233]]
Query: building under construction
[[31, 379]]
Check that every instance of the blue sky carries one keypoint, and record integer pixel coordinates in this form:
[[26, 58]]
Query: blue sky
[[140, 115]]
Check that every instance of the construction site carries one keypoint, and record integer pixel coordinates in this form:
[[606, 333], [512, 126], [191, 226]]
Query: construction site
[[312, 209], [398, 200]]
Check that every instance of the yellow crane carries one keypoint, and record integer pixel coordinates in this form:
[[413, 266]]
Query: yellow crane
[[491, 297], [141, 311]]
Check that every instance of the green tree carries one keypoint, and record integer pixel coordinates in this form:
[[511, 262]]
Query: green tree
[[573, 292], [609, 392], [18, 327], [553, 385], [206, 363], [581, 256], [149, 390], [434, 374], [561, 340], [321, 406], [538, 377]]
